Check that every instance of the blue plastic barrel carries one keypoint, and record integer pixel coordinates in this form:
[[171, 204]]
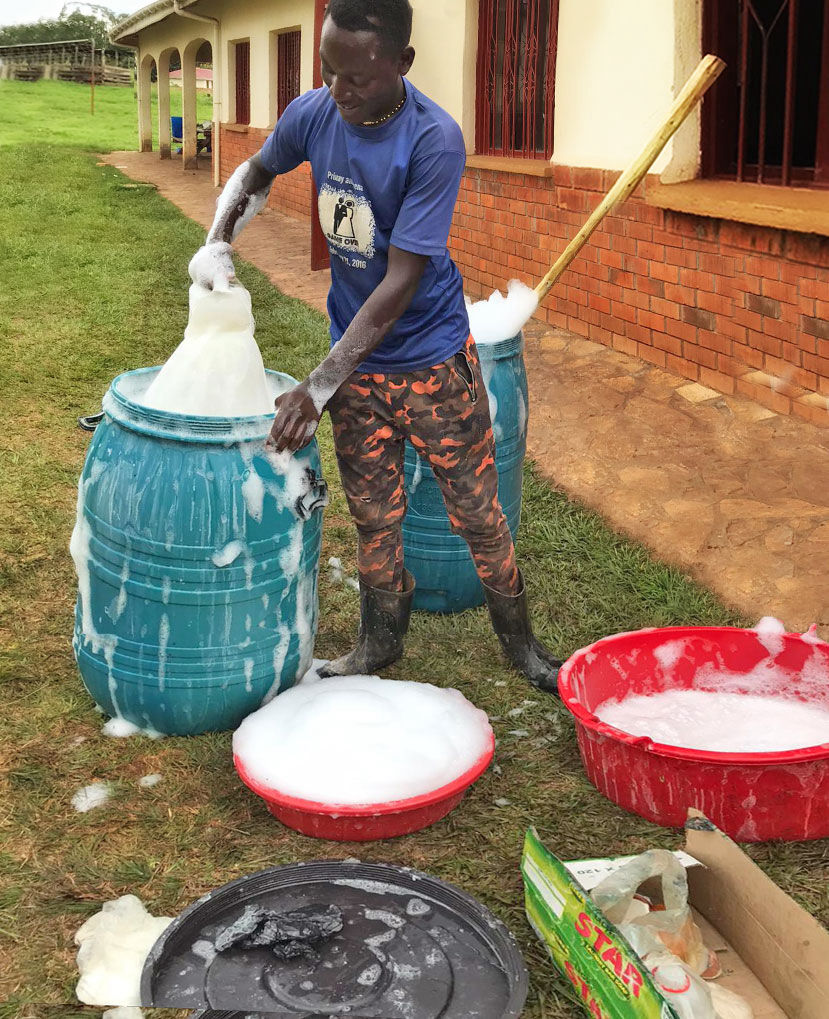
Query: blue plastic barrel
[[439, 560], [197, 559]]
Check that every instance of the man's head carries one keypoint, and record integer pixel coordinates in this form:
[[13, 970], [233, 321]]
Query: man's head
[[364, 50]]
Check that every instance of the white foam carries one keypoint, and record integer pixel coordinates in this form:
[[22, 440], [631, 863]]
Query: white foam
[[113, 946], [217, 369], [361, 739], [500, 317], [148, 781], [770, 634], [228, 554], [89, 797], [120, 728], [720, 721]]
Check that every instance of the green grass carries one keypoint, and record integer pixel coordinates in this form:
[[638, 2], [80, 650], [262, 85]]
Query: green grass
[[58, 113], [95, 282]]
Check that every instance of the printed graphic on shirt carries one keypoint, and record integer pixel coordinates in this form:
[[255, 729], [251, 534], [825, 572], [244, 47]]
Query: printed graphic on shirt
[[347, 221]]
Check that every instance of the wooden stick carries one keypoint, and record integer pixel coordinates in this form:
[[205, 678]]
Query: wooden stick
[[707, 72]]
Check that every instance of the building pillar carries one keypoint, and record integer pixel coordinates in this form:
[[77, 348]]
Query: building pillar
[[188, 110], [145, 123], [164, 131]]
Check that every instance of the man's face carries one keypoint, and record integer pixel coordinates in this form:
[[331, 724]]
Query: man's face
[[360, 73]]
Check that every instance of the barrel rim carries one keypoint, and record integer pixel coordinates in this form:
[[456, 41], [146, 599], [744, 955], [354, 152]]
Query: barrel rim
[[187, 427]]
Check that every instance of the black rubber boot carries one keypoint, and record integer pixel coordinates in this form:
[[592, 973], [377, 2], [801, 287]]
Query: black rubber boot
[[511, 622], [384, 620]]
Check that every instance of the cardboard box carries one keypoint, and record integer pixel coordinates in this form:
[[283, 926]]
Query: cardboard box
[[771, 950]]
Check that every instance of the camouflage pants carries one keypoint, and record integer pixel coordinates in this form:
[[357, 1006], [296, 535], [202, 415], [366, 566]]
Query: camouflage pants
[[444, 412]]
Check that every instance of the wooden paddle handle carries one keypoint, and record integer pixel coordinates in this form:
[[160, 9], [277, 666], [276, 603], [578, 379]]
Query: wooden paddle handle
[[707, 72]]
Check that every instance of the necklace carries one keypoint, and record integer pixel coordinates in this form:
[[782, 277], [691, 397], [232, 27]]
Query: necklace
[[386, 116]]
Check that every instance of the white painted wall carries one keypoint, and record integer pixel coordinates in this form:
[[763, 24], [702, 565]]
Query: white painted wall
[[619, 65]]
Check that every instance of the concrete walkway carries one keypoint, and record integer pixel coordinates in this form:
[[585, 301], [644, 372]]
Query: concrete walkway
[[734, 494]]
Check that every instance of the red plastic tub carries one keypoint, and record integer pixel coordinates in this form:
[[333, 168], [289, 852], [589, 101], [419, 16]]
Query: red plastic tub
[[365, 822], [751, 796]]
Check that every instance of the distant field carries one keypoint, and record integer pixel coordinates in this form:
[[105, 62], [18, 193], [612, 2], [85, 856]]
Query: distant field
[[58, 113]]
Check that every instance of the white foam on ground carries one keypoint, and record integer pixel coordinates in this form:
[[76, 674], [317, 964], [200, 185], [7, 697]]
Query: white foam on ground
[[217, 369], [113, 946], [148, 781], [720, 721], [501, 317], [89, 797], [361, 739], [120, 728]]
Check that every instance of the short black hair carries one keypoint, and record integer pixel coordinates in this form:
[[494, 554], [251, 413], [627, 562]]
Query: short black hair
[[390, 20]]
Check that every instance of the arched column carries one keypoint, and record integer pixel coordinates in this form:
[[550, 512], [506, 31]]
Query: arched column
[[145, 120], [164, 132], [188, 101]]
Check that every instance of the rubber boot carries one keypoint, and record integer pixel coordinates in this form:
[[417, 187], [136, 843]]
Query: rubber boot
[[384, 620], [511, 622]]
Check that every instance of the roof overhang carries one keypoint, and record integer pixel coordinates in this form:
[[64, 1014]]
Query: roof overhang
[[125, 32]]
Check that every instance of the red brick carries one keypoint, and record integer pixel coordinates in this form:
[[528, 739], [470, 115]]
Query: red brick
[[624, 311], [700, 355], [716, 303], [696, 279], [784, 292], [719, 265], [670, 309], [741, 352], [669, 238], [681, 330], [717, 380], [718, 341], [809, 412], [679, 366], [651, 321], [670, 344], [759, 265], [652, 354], [620, 342], [814, 288], [587, 178], [681, 257], [664, 272], [767, 397], [808, 248]]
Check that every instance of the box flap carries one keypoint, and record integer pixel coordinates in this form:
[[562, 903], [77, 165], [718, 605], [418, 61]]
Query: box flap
[[785, 946]]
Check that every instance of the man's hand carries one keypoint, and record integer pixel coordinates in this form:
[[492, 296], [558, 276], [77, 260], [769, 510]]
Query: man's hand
[[212, 266], [295, 422]]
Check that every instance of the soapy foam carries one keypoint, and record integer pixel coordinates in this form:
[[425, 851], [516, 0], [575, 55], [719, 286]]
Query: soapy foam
[[89, 797], [361, 739], [720, 721], [113, 946], [501, 317], [217, 369]]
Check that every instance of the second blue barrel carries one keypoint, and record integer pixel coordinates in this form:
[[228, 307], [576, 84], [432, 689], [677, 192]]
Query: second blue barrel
[[439, 560], [197, 556]]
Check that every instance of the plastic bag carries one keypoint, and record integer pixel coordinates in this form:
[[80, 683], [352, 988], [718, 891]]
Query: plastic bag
[[681, 987], [670, 924]]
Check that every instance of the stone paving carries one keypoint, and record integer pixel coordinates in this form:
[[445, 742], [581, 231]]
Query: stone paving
[[732, 493]]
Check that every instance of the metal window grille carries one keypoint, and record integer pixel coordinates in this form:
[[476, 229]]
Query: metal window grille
[[287, 73], [767, 120], [243, 82], [515, 94]]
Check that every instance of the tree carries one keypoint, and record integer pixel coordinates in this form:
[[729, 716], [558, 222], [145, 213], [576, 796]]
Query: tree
[[69, 26]]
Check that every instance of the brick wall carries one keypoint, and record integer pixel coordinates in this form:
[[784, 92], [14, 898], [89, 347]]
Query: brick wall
[[291, 192], [741, 309]]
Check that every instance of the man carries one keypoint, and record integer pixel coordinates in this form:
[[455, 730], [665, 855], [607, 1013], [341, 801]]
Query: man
[[388, 163]]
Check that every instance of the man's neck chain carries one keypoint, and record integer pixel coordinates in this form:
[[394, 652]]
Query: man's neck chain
[[386, 116]]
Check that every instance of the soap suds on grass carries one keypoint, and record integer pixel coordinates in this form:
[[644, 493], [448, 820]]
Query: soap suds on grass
[[148, 781], [219, 350], [361, 739], [89, 797], [112, 948], [501, 317]]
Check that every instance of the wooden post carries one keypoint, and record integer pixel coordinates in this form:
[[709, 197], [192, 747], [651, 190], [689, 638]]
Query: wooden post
[[707, 72], [92, 77]]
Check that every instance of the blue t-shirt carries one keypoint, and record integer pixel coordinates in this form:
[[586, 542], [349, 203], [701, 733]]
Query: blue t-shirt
[[396, 183]]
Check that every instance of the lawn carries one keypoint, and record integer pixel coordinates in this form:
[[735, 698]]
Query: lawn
[[96, 283]]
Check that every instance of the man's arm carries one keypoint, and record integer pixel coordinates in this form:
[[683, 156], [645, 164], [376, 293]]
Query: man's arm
[[243, 196], [298, 411]]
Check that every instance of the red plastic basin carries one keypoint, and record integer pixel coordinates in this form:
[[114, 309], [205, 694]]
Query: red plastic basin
[[365, 822], [751, 796]]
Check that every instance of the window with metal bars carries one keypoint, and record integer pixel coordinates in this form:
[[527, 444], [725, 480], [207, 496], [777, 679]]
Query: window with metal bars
[[515, 90], [767, 118], [242, 50], [287, 69]]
